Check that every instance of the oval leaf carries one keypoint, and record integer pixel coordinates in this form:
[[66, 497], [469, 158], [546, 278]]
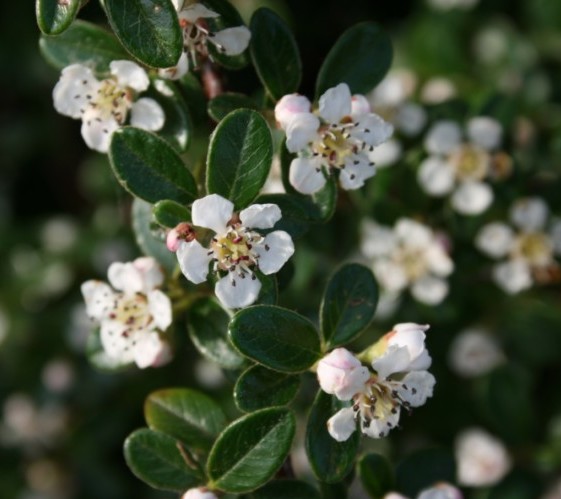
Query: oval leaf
[[149, 30], [239, 157], [376, 475], [170, 214], [156, 459], [276, 338], [54, 16], [259, 387], [185, 414], [149, 168], [360, 57], [348, 304], [251, 450], [227, 102], [275, 54], [286, 489], [331, 460]]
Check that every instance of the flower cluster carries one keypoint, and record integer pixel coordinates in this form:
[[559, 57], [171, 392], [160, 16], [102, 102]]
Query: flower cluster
[[400, 361], [527, 248], [337, 137]]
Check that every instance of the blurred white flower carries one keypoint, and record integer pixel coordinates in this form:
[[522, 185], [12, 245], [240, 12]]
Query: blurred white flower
[[473, 353], [59, 234], [57, 375], [440, 491], [437, 90], [452, 4]]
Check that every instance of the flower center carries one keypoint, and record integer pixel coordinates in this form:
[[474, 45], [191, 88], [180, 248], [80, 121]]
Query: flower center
[[131, 310], [470, 162], [535, 248], [195, 38], [412, 261], [112, 100], [234, 249]]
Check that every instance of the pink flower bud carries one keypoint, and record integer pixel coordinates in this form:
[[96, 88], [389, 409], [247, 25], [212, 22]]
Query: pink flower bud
[[341, 374], [183, 232], [289, 106]]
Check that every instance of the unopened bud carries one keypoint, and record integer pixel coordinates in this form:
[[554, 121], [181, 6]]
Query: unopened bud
[[183, 232]]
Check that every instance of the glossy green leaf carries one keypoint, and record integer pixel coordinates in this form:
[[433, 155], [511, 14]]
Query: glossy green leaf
[[348, 304], [376, 475], [54, 16], [149, 168], [360, 57], [251, 450], [274, 53], [286, 489], [207, 324], [156, 459], [239, 157], [275, 337], [185, 414], [227, 102], [170, 214], [149, 30], [259, 387], [269, 292], [331, 461], [82, 43]]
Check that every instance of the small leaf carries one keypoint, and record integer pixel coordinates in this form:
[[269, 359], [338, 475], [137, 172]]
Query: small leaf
[[286, 489], [259, 387], [208, 330], [275, 53], [149, 168], [54, 16], [348, 304], [185, 414], [275, 337], [251, 450], [376, 475], [360, 57], [331, 460], [149, 30], [155, 458], [239, 157], [227, 102], [170, 214], [82, 43]]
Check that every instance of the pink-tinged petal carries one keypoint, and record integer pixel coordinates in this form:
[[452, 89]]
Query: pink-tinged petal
[[372, 130], [529, 214], [359, 106], [232, 41], [301, 130], [148, 349], [193, 260], [150, 272], [159, 306], [196, 11], [306, 175], [280, 249], [357, 170], [430, 290], [199, 493], [234, 291], [213, 212], [436, 176], [70, 95], [341, 374], [335, 103], [147, 114], [443, 137], [485, 132], [417, 387], [97, 132], [99, 298], [342, 424], [289, 106], [260, 216], [472, 198], [130, 74], [495, 239], [125, 277]]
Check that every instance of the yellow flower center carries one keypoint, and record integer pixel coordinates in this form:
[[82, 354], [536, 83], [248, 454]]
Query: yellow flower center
[[131, 310], [412, 261], [470, 162], [112, 100], [535, 248], [235, 248]]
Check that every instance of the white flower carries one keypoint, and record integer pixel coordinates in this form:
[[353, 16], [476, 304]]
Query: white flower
[[408, 256], [104, 105], [336, 137], [197, 36], [236, 248], [131, 313], [199, 493], [341, 374], [473, 353], [482, 460]]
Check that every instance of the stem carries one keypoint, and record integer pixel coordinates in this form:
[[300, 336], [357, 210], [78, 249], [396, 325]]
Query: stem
[[212, 80], [190, 461]]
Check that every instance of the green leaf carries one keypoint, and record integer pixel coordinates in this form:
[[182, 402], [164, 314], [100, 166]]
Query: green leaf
[[82, 43], [331, 461], [185, 414], [149, 30], [239, 157], [251, 450], [208, 330], [170, 214], [54, 16], [259, 387], [274, 53], [286, 489], [149, 237], [269, 292], [156, 459], [149, 168], [275, 337], [360, 57], [376, 475], [348, 304], [227, 102]]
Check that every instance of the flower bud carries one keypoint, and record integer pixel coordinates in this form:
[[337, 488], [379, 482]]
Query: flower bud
[[341, 374], [199, 493], [183, 232], [289, 106]]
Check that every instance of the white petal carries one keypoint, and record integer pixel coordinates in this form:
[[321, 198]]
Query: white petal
[[438, 89], [410, 119], [440, 490], [147, 349], [342, 424], [306, 175], [380, 428], [335, 103], [341, 374], [70, 93], [529, 214], [197, 11], [116, 345], [430, 290], [178, 4], [411, 336], [97, 133], [376, 240], [472, 198], [443, 137], [357, 170], [420, 385], [150, 271], [193, 260], [175, 72], [386, 154], [213, 212], [281, 248], [413, 233], [485, 132], [147, 114], [232, 40], [436, 176], [395, 359], [301, 130], [199, 493], [438, 260], [98, 297], [372, 130], [125, 277], [260, 216], [390, 275], [130, 74], [513, 276], [159, 306], [236, 292], [495, 239], [289, 106], [359, 106]]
